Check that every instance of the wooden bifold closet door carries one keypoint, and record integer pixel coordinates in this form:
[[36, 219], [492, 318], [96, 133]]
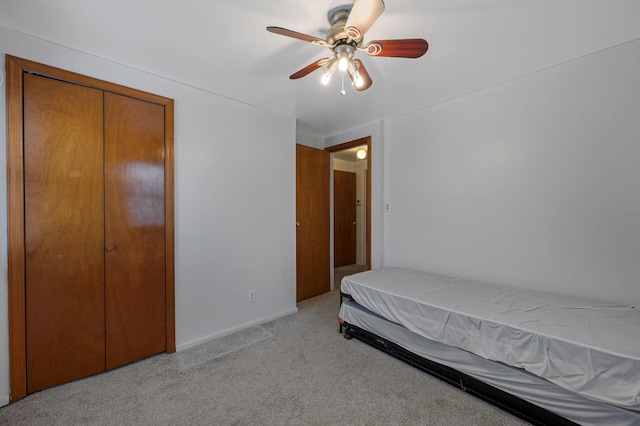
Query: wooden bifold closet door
[[134, 229], [94, 223], [64, 231]]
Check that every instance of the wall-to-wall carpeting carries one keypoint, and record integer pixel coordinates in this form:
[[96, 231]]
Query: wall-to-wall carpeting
[[292, 371]]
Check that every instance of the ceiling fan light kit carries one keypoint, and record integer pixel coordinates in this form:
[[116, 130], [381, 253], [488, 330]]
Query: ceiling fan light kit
[[345, 37]]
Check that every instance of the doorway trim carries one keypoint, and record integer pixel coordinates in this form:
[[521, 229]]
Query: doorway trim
[[15, 67], [352, 144]]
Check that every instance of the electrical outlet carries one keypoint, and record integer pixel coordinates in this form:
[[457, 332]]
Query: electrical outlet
[[252, 295]]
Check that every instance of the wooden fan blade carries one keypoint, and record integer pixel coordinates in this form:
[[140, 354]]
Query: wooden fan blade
[[364, 75], [297, 35], [404, 48], [309, 69], [362, 16]]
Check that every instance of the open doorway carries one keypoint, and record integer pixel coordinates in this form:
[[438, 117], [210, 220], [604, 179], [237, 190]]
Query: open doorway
[[351, 207]]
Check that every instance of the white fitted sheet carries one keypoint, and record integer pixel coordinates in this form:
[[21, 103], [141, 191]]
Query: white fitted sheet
[[587, 347], [515, 381]]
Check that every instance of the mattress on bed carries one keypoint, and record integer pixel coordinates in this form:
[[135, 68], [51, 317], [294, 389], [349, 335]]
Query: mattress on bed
[[588, 347], [515, 381]]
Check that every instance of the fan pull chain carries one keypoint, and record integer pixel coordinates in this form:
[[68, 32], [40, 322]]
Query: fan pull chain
[[342, 92]]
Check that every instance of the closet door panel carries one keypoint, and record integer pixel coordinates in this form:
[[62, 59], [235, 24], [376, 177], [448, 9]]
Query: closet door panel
[[134, 229], [64, 231]]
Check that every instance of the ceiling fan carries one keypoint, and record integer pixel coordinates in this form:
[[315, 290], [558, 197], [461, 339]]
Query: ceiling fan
[[345, 37]]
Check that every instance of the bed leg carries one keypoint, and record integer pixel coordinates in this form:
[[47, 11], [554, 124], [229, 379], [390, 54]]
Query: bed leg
[[340, 324], [350, 299]]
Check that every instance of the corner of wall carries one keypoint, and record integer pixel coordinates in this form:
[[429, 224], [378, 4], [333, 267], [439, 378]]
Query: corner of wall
[[308, 139], [4, 324]]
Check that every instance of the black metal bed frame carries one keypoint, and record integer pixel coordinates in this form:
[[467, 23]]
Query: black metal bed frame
[[499, 398]]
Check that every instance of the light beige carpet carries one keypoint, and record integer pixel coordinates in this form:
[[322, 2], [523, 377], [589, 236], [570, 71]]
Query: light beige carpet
[[293, 371]]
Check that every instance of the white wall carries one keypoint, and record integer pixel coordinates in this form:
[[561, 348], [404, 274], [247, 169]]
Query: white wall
[[308, 139], [533, 183], [343, 165], [235, 201]]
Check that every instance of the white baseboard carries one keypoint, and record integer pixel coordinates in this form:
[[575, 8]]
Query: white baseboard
[[4, 400], [187, 345]]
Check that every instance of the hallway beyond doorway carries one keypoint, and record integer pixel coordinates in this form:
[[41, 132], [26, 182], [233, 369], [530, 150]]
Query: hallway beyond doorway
[[343, 271]]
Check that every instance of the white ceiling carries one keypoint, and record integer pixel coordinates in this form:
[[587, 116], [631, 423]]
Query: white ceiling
[[222, 47]]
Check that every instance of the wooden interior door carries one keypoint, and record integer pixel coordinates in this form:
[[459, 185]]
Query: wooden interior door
[[134, 229], [64, 231], [312, 222], [344, 218]]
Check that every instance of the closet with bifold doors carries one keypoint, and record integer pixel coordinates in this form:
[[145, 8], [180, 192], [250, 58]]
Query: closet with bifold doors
[[98, 245]]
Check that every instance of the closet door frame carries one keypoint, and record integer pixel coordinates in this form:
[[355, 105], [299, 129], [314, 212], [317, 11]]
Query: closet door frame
[[15, 68]]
